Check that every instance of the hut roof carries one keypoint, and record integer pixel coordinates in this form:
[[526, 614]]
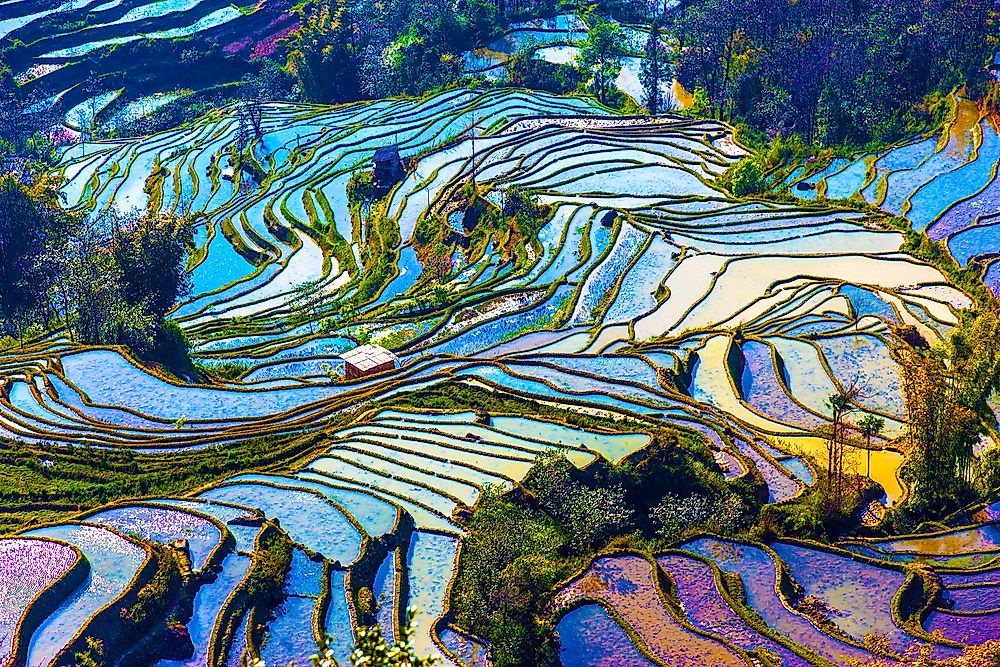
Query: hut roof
[[367, 357], [387, 154]]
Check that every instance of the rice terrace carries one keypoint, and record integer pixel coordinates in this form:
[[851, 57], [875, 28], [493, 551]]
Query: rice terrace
[[499, 333]]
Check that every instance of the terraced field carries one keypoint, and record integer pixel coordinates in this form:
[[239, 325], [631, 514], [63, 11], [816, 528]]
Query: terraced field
[[803, 603], [945, 185], [83, 59], [90, 59], [647, 293], [557, 40]]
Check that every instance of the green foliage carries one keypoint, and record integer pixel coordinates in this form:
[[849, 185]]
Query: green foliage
[[530, 72], [322, 54], [348, 49], [602, 54], [744, 178], [509, 566], [29, 218], [947, 390], [676, 516], [823, 511], [24, 123], [93, 656], [153, 600], [655, 70], [372, 650], [847, 73], [479, 19], [988, 475], [428, 228], [229, 370], [747, 136], [871, 425], [521, 544], [379, 258], [590, 515], [271, 562], [529, 215], [700, 103], [361, 188], [110, 280]]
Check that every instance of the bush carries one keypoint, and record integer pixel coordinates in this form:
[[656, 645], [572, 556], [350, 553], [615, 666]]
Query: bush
[[154, 598], [521, 544], [228, 370], [988, 478], [744, 178], [674, 516], [508, 570], [360, 188], [529, 72], [271, 562], [590, 516], [170, 348]]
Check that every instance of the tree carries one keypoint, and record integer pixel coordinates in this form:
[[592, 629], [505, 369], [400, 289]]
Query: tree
[[871, 426], [654, 71], [28, 217], [947, 391], [833, 72], [602, 55], [709, 34], [491, 597], [839, 404], [673, 516], [374, 71], [590, 515], [423, 55], [24, 120], [524, 70], [829, 119], [988, 477], [149, 252], [744, 178], [479, 20], [112, 278], [322, 53]]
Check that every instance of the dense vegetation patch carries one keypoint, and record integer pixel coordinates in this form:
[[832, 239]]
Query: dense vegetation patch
[[523, 543], [107, 280], [833, 72]]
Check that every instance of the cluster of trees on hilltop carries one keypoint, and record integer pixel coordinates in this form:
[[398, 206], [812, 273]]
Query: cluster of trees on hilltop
[[829, 71], [351, 49], [108, 279], [832, 71]]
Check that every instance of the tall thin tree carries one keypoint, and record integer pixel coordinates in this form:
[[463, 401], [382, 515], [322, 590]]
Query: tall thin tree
[[872, 427], [652, 73]]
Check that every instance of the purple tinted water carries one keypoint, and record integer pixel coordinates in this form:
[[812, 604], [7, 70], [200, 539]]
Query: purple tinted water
[[706, 609], [589, 637]]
